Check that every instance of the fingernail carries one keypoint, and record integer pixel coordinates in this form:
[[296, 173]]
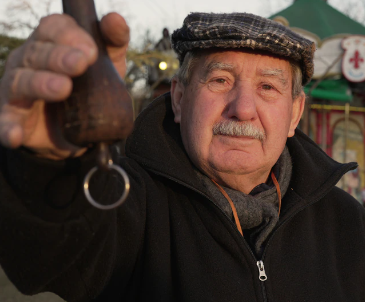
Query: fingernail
[[72, 59], [89, 51], [56, 85]]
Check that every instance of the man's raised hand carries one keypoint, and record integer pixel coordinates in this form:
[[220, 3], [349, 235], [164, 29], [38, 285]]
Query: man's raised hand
[[39, 73]]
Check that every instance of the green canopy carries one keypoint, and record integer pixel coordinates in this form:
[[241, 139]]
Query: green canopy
[[334, 90], [318, 17]]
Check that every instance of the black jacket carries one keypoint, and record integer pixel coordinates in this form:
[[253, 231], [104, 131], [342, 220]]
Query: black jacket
[[169, 241]]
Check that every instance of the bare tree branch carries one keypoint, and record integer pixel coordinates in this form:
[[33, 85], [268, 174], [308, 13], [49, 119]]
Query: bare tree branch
[[24, 15], [22, 6]]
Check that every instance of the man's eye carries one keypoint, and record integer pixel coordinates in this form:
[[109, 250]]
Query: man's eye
[[267, 87], [220, 81], [219, 84]]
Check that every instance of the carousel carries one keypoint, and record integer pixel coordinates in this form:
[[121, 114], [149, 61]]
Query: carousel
[[335, 112]]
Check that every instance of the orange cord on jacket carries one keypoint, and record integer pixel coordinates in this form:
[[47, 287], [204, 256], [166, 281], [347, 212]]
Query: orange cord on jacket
[[235, 215]]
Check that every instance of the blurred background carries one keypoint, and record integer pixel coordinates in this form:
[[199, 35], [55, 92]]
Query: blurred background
[[335, 111]]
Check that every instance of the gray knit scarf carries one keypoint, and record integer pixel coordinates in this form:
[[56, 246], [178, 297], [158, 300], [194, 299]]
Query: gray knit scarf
[[258, 214]]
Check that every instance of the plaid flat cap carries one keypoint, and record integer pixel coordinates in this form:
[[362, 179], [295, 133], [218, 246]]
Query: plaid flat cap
[[242, 30]]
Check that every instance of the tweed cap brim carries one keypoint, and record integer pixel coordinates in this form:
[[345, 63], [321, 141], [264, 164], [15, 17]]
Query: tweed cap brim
[[242, 30]]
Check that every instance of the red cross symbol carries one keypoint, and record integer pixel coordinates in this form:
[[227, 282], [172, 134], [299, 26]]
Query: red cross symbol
[[357, 60]]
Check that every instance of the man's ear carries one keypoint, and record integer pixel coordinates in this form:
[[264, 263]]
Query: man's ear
[[298, 109], [177, 92]]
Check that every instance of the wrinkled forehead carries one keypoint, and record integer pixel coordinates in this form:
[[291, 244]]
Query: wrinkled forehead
[[222, 59]]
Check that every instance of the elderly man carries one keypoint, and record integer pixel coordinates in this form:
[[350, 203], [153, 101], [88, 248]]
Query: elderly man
[[228, 201]]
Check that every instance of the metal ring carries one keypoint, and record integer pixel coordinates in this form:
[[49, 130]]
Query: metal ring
[[119, 201]]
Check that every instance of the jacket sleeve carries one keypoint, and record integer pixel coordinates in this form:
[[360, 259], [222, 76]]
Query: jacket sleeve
[[52, 239]]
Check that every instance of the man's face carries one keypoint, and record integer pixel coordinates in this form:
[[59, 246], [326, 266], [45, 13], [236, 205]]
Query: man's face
[[244, 88]]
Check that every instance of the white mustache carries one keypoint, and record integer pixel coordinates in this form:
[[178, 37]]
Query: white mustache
[[233, 128]]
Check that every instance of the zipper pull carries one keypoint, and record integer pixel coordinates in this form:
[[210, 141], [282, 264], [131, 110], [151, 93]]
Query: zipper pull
[[262, 274]]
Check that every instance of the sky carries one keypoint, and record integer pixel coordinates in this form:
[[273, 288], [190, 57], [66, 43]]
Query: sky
[[157, 14], [154, 15]]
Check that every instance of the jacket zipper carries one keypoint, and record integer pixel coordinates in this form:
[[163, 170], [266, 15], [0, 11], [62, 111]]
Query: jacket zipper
[[262, 278], [262, 273]]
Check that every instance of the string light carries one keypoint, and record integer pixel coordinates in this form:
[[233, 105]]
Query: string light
[[163, 65]]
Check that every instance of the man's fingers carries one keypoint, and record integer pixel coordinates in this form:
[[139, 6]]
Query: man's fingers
[[116, 34], [115, 30], [29, 84], [63, 30], [38, 72], [58, 58], [11, 134]]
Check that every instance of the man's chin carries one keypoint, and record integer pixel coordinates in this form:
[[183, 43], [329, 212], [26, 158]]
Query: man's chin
[[229, 167]]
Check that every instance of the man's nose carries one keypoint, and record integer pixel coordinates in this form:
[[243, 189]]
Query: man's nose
[[242, 105]]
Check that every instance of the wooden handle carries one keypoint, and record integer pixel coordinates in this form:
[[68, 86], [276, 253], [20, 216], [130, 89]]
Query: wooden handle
[[99, 108]]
